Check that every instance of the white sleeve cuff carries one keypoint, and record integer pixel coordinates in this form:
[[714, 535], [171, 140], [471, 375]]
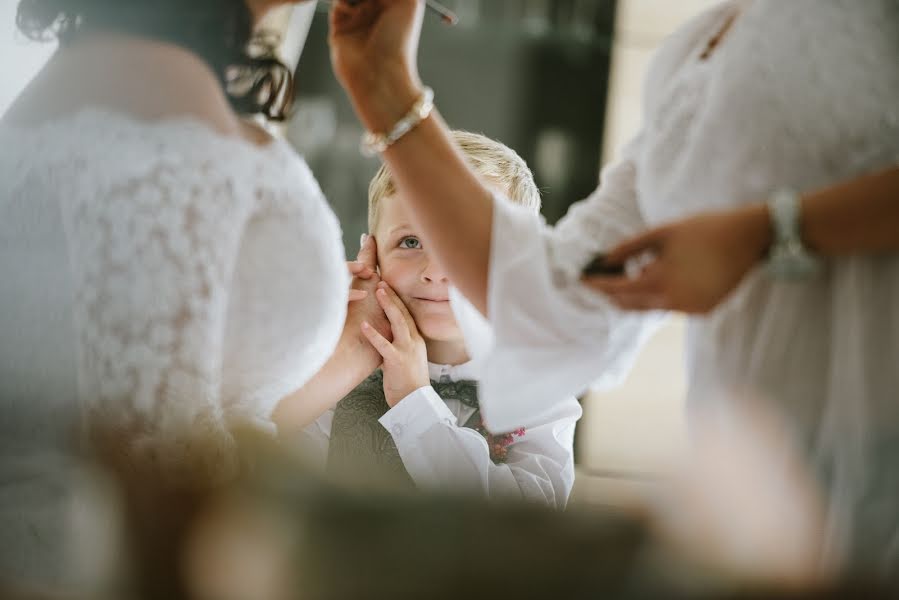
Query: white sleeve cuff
[[415, 414]]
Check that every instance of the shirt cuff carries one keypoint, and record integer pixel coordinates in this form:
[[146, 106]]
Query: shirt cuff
[[415, 414]]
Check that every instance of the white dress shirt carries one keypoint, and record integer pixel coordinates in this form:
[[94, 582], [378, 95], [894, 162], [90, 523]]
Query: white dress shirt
[[441, 454]]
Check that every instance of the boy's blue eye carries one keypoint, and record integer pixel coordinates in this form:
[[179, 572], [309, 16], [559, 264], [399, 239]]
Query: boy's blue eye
[[410, 243]]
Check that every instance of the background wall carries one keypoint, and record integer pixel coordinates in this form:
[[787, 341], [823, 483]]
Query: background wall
[[20, 58]]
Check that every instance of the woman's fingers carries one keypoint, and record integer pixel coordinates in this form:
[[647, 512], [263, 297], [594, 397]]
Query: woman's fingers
[[384, 348], [368, 253], [366, 263], [649, 281], [650, 240], [348, 16], [647, 291], [357, 295], [357, 269]]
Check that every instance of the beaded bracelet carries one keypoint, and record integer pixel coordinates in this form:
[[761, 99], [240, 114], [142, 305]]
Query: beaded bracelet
[[375, 143]]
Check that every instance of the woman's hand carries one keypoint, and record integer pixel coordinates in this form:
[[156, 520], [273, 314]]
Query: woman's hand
[[406, 358], [695, 263], [353, 359], [374, 44], [363, 306]]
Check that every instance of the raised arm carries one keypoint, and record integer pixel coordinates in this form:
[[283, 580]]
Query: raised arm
[[353, 360], [511, 267], [373, 50]]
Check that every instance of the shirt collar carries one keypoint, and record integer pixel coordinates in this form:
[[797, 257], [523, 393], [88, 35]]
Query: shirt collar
[[468, 371]]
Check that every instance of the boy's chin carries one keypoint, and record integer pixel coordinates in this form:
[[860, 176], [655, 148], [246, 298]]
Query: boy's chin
[[440, 330]]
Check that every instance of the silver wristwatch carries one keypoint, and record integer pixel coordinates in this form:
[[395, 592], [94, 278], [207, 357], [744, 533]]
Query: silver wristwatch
[[788, 258]]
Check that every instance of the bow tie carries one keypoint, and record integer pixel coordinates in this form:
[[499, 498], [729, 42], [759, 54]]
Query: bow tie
[[464, 391]]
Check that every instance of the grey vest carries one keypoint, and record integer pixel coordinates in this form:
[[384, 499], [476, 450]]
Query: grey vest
[[362, 451]]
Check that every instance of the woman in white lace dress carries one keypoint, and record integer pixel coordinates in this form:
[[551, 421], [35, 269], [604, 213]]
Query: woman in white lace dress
[[163, 262], [748, 97]]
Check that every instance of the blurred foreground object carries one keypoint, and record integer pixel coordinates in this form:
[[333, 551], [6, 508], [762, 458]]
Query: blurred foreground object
[[281, 532]]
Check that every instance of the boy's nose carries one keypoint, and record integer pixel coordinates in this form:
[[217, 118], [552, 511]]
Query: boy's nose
[[433, 273]]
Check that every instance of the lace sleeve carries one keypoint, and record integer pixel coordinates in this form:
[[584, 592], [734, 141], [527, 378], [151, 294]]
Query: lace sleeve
[[287, 305], [172, 265]]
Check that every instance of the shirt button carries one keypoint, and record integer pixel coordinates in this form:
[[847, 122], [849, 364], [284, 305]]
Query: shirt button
[[448, 421], [397, 430]]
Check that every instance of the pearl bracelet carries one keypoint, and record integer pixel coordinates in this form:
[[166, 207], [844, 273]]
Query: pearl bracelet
[[375, 143]]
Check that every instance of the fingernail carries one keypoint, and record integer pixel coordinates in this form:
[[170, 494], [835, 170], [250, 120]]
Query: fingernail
[[365, 325], [382, 285], [362, 239]]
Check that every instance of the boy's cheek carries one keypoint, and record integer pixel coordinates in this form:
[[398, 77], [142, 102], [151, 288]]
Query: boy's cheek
[[393, 277]]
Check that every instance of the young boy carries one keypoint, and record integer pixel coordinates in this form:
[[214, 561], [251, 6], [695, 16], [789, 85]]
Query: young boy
[[417, 419]]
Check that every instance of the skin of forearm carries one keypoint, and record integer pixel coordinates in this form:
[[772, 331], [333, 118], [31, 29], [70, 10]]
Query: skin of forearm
[[352, 361], [449, 204], [857, 217]]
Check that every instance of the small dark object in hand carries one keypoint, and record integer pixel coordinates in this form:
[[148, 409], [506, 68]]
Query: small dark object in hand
[[598, 267]]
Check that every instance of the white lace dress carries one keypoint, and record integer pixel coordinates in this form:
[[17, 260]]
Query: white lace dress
[[165, 278]]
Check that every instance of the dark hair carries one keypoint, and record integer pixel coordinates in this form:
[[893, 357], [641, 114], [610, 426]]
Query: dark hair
[[219, 31]]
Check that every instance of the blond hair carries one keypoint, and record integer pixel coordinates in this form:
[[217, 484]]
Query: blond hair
[[493, 161]]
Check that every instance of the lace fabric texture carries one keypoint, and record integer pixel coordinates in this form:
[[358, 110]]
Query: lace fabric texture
[[206, 274]]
